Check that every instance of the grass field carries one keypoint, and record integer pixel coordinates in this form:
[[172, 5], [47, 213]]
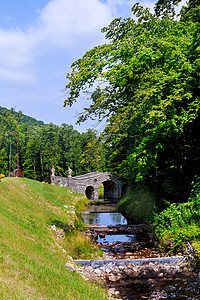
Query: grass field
[[34, 248]]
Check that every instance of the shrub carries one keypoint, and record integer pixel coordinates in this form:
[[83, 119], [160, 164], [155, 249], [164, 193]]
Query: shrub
[[138, 206], [1, 176], [180, 223]]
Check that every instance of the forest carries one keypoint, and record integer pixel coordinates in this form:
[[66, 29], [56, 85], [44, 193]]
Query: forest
[[44, 146]]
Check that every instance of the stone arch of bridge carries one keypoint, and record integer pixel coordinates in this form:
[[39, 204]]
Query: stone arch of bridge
[[89, 192], [111, 190]]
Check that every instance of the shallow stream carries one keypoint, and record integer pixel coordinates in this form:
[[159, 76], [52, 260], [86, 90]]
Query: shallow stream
[[107, 215], [118, 245]]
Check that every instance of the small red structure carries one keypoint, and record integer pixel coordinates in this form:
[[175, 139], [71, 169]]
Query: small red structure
[[16, 173]]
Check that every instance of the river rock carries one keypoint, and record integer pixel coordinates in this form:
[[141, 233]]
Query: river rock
[[128, 253], [89, 269], [70, 267], [114, 278], [107, 270], [183, 265], [111, 291], [161, 275], [97, 272]]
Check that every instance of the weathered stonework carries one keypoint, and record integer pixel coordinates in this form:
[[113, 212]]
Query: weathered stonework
[[89, 183]]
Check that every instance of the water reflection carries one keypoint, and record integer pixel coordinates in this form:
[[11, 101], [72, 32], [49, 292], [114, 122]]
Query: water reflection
[[111, 218], [108, 239]]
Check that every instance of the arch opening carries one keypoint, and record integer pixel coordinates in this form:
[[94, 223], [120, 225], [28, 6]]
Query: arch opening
[[89, 192], [110, 190], [101, 192]]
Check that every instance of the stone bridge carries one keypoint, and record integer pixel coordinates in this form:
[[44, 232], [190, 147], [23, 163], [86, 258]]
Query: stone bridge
[[89, 184]]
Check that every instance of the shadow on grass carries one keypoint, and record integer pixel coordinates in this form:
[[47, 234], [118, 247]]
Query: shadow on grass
[[59, 224]]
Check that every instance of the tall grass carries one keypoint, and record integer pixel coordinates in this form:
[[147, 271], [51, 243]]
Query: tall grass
[[33, 252]]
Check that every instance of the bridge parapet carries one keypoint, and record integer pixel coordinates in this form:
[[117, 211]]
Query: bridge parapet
[[89, 183]]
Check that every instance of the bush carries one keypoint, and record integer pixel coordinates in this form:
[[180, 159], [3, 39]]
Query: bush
[[138, 206], [1, 176], [180, 223]]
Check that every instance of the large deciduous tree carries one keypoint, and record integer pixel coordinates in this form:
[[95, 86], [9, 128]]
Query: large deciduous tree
[[145, 82]]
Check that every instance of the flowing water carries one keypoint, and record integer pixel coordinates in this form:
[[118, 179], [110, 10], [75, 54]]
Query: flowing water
[[117, 245], [105, 218], [98, 215]]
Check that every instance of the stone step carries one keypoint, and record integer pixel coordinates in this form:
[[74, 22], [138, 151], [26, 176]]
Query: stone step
[[126, 262], [117, 229], [96, 210]]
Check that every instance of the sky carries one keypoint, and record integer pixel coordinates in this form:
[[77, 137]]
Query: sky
[[39, 40]]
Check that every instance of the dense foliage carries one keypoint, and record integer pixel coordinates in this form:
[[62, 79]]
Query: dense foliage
[[20, 116], [180, 223], [42, 146], [145, 82]]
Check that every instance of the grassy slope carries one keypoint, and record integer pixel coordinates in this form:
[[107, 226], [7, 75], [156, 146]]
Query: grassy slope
[[32, 259]]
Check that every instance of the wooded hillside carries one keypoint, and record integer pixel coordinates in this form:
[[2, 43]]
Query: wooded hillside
[[44, 146]]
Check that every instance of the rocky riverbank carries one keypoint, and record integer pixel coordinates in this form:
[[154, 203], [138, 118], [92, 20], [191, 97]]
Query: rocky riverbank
[[150, 281]]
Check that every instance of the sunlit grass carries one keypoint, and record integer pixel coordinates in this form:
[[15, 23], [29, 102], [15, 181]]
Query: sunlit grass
[[32, 254]]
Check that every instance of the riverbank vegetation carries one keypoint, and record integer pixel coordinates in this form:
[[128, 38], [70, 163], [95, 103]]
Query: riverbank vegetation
[[138, 205], [39, 231], [179, 224]]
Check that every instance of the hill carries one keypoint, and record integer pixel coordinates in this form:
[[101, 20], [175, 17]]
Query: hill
[[24, 118], [33, 245]]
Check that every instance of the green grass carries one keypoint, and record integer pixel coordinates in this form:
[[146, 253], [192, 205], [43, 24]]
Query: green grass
[[32, 254]]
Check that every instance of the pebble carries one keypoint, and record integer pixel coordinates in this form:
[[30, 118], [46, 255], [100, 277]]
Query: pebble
[[129, 254]]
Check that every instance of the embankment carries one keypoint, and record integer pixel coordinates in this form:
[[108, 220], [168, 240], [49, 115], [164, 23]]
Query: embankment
[[36, 240]]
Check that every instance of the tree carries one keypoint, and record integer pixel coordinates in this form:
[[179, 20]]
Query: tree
[[145, 82], [191, 11], [163, 7], [32, 160], [43, 146], [92, 158], [3, 161]]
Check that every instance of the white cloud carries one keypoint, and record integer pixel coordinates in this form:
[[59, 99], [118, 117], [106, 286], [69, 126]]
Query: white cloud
[[61, 24], [15, 49], [74, 16]]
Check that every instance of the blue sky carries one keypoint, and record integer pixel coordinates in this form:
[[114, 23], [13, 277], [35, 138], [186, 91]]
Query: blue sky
[[39, 40]]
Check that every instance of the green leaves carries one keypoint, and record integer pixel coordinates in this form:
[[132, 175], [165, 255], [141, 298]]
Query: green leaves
[[145, 83]]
